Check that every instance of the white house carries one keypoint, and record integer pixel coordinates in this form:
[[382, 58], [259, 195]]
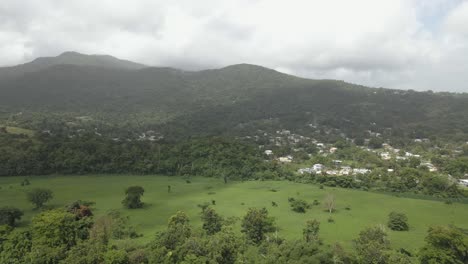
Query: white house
[[318, 167], [268, 152], [463, 182], [287, 159], [385, 155]]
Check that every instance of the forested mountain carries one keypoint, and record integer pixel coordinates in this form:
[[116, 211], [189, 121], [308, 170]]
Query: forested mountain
[[218, 101]]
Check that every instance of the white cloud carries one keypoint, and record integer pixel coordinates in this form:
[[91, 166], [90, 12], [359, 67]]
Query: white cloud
[[390, 43]]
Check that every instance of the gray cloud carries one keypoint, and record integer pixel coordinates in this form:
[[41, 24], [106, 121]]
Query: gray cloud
[[409, 44]]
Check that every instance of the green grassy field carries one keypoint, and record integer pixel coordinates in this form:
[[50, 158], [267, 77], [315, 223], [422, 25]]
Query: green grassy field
[[234, 198]]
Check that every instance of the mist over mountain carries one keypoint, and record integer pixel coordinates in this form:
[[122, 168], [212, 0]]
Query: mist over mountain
[[69, 58]]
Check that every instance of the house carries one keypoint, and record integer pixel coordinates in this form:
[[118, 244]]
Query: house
[[287, 159], [463, 182], [268, 152], [337, 162], [346, 170], [333, 150], [305, 170], [318, 167], [360, 171], [385, 155], [409, 154], [390, 170]]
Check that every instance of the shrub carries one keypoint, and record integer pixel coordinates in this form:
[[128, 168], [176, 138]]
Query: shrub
[[397, 221], [39, 196], [299, 206], [8, 215], [331, 220]]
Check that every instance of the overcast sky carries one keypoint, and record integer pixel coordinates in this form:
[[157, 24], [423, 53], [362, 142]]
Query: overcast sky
[[405, 44]]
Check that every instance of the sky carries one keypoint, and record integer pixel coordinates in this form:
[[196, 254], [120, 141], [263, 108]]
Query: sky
[[402, 44]]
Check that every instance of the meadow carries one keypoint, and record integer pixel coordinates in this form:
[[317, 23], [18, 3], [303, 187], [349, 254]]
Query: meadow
[[233, 199]]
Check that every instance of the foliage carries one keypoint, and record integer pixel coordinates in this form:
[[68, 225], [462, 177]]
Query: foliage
[[114, 256], [398, 221], [8, 215], [310, 232], [212, 221], [299, 205], [133, 196], [39, 196], [371, 246], [256, 224], [16, 247], [444, 245]]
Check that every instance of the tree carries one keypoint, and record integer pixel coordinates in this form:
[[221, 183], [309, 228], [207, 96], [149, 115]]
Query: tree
[[398, 221], [133, 197], [178, 231], [52, 234], [256, 224], [445, 245], [212, 221], [8, 215], [310, 232], [39, 196], [371, 246], [329, 203]]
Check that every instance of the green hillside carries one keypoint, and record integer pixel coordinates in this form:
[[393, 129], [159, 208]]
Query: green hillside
[[181, 102]]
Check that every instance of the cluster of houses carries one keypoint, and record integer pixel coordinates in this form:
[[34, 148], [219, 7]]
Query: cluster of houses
[[341, 171], [150, 135], [391, 152]]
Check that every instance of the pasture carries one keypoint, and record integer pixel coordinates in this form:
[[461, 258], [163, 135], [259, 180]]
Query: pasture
[[233, 199]]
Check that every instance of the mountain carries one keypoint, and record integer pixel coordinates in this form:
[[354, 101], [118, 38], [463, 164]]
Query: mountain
[[71, 58], [231, 100]]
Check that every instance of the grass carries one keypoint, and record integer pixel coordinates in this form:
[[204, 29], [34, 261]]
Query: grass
[[233, 199]]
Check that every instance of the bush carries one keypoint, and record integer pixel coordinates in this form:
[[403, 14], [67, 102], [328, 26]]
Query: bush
[[398, 221], [299, 206], [133, 197], [8, 215], [39, 196], [331, 220]]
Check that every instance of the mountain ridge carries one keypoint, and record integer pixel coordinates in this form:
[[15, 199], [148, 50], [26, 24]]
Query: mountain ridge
[[71, 58], [218, 100]]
